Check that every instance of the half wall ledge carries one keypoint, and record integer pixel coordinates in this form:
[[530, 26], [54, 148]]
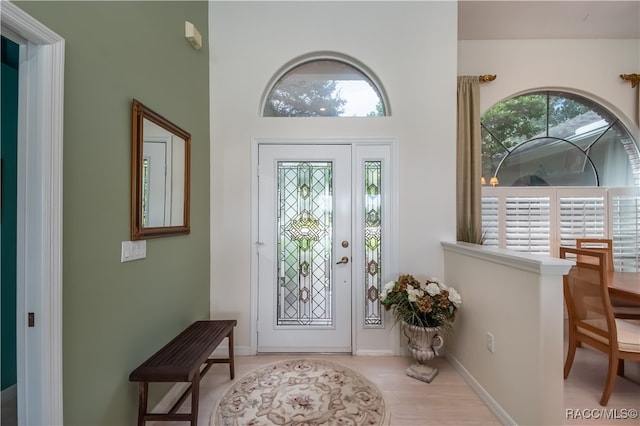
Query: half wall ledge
[[514, 299], [537, 263]]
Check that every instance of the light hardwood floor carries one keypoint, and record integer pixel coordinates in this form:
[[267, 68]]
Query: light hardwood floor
[[448, 400], [583, 389]]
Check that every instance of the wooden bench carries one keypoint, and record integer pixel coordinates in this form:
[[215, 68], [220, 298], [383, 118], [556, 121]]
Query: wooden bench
[[181, 360]]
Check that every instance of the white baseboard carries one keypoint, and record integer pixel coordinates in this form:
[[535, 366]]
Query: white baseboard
[[367, 352], [10, 393], [170, 397], [9, 398], [222, 351], [494, 407]]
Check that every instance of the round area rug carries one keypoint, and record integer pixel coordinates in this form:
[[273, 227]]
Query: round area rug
[[301, 392]]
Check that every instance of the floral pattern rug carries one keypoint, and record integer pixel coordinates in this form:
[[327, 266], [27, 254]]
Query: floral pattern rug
[[301, 392]]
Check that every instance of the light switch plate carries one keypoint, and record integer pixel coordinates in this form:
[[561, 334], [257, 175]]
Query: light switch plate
[[133, 250]]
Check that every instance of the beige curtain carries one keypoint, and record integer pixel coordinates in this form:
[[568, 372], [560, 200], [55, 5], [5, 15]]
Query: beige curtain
[[469, 160]]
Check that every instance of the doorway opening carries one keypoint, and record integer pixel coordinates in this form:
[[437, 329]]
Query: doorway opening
[[39, 216]]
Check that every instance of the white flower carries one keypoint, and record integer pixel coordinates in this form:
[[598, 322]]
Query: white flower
[[414, 293], [433, 289], [442, 286], [455, 297], [387, 288]]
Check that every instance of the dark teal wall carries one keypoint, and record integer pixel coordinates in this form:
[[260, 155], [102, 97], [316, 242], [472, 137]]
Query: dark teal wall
[[9, 125]]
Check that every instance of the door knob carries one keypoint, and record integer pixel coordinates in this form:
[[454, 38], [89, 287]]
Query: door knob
[[344, 259]]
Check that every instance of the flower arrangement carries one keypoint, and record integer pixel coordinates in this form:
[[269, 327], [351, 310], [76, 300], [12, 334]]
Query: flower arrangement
[[430, 304]]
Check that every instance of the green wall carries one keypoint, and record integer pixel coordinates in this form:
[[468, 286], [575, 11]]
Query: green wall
[[117, 314]]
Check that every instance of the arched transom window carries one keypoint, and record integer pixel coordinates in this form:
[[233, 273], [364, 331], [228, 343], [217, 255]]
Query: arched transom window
[[324, 88], [552, 138]]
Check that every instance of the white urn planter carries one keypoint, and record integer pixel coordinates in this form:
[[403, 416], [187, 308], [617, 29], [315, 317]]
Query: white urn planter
[[424, 343]]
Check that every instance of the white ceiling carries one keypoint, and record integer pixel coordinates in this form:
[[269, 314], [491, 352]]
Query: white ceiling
[[521, 19]]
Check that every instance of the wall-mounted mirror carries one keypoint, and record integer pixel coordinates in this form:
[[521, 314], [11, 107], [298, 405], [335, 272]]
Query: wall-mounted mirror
[[160, 158]]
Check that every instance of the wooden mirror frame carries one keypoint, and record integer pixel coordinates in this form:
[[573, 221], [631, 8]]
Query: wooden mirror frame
[[138, 231]]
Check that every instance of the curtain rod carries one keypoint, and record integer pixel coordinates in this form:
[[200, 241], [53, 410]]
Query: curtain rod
[[487, 77], [633, 78]]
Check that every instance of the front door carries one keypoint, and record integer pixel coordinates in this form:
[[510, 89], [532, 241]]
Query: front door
[[304, 254]]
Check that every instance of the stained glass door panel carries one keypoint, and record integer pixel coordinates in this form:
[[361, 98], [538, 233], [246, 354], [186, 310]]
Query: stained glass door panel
[[304, 221]]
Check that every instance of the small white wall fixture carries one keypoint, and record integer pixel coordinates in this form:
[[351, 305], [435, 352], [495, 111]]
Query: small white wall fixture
[[39, 228]]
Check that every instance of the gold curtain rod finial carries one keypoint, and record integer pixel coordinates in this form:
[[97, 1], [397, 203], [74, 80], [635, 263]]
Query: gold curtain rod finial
[[633, 78], [487, 77]]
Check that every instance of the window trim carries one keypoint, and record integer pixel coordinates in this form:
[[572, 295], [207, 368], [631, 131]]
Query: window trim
[[325, 56]]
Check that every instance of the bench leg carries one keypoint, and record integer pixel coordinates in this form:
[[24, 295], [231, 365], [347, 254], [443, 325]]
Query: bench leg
[[195, 398], [231, 367], [143, 390]]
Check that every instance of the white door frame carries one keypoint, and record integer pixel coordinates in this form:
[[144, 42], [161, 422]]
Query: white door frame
[[391, 251], [39, 228]]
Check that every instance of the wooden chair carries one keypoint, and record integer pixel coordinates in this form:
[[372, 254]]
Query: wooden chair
[[604, 245], [621, 308], [591, 319]]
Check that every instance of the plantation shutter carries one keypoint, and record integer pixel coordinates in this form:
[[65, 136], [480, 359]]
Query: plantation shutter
[[528, 224], [490, 222], [625, 228], [540, 220], [582, 214]]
